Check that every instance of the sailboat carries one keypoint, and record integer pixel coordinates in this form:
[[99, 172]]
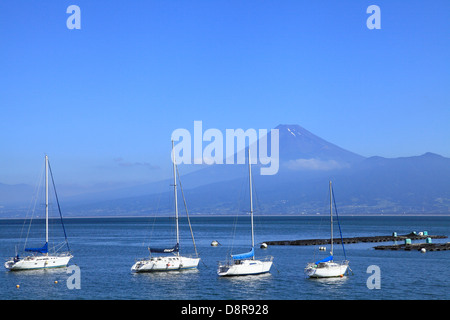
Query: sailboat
[[245, 263], [168, 262], [40, 257], [327, 267]]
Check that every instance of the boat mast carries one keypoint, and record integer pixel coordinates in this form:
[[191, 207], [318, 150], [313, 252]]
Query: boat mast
[[46, 199], [251, 196], [175, 194], [331, 218]]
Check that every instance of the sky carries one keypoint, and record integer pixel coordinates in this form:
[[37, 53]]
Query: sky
[[103, 100]]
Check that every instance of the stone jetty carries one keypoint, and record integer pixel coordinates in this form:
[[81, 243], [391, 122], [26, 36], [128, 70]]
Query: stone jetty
[[416, 246], [313, 242]]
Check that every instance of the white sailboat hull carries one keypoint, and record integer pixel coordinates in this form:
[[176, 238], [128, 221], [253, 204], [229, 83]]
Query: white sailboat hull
[[245, 267], [43, 260], [156, 264], [38, 262], [326, 270], [169, 263], [246, 264]]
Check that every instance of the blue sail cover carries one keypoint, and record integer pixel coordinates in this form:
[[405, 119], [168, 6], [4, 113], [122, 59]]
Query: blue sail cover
[[330, 258], [247, 255], [164, 250], [44, 249]]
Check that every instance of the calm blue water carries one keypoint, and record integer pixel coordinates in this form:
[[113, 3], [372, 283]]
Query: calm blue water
[[106, 248]]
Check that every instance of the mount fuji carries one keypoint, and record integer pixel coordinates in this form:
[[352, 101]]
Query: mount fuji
[[374, 185]]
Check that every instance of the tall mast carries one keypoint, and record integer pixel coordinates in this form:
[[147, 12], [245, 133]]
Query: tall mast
[[46, 199], [331, 217], [251, 195], [175, 194]]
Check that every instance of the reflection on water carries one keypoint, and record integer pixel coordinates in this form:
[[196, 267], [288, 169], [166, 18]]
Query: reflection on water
[[36, 284], [246, 287], [49, 272], [165, 275], [250, 280], [174, 284], [336, 281]]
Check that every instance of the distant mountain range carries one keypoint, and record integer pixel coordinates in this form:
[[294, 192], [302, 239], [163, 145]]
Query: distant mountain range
[[375, 185]]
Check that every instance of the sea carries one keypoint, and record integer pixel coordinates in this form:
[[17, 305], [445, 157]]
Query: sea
[[104, 249]]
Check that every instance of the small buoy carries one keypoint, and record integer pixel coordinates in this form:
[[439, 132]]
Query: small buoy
[[423, 250], [341, 275], [263, 245], [214, 243], [17, 286], [56, 281]]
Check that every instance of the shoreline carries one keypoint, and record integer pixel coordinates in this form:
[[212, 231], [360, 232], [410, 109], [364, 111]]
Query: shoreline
[[231, 216]]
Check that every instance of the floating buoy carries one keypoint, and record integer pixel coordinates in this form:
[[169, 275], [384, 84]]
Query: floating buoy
[[263, 245], [56, 281], [341, 275], [423, 250], [17, 286], [214, 243]]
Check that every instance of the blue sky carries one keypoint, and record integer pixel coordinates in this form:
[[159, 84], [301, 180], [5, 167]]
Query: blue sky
[[103, 101]]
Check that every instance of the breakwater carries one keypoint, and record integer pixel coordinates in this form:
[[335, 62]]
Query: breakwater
[[416, 246], [394, 237]]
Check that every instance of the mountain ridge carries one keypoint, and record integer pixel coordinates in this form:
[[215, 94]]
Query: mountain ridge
[[363, 185], [298, 143]]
